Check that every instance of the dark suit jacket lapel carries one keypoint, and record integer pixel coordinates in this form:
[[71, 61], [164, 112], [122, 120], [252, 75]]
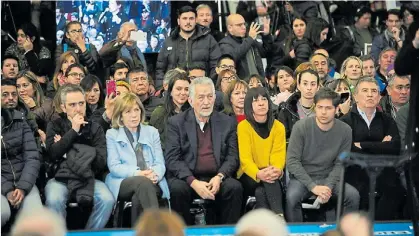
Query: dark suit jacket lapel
[[216, 130], [190, 127]]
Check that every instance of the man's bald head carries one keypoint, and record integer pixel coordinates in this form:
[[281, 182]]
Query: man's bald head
[[236, 25], [321, 51]]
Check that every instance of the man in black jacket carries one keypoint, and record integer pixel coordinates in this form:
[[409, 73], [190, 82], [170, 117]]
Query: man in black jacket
[[407, 62], [204, 18], [188, 43], [202, 158], [246, 49], [72, 128], [20, 162], [374, 133]]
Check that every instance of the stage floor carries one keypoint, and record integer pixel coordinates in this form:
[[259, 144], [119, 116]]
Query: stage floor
[[388, 228]]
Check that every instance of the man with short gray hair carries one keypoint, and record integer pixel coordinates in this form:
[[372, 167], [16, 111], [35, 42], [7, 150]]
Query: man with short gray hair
[[375, 133], [202, 157], [79, 145], [204, 18], [40, 222], [398, 94]]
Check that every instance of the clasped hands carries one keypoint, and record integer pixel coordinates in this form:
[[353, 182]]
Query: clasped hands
[[207, 190], [269, 174]]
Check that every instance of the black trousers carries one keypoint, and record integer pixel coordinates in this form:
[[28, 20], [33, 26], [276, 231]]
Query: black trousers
[[141, 192], [388, 187], [267, 195], [227, 204]]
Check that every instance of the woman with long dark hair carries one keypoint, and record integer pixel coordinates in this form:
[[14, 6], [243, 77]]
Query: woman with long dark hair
[[32, 55], [317, 31], [175, 102], [286, 84], [74, 41], [262, 142], [295, 49], [95, 95]]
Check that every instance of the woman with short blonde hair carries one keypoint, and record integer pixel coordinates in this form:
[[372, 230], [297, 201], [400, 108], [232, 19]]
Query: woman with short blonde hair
[[135, 157]]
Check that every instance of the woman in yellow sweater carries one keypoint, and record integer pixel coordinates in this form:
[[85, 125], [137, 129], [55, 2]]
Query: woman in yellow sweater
[[262, 151]]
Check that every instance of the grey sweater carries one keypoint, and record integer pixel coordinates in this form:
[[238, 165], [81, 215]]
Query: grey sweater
[[313, 153]]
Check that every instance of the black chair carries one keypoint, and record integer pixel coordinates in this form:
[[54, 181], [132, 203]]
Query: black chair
[[122, 206]]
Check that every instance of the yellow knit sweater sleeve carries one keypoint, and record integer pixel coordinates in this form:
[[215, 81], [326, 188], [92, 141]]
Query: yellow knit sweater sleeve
[[247, 164], [278, 152]]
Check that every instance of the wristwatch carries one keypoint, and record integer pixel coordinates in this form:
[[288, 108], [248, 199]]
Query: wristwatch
[[221, 177]]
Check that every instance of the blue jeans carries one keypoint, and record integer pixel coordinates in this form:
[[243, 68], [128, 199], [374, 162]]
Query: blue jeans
[[297, 193], [30, 202], [57, 194]]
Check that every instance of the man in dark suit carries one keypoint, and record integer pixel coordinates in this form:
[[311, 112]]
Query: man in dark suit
[[202, 157]]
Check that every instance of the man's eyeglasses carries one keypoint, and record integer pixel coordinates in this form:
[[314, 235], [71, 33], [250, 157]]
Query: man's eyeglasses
[[74, 74], [76, 31], [226, 67], [229, 79]]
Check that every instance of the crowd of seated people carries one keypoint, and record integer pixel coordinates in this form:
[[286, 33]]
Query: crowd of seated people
[[210, 126]]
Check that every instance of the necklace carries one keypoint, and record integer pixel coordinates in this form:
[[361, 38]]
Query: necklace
[[306, 111]]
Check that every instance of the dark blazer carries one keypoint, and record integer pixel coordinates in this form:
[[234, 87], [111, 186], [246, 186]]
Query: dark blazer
[[181, 150]]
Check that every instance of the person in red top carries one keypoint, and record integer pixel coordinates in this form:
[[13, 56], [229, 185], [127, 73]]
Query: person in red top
[[234, 100]]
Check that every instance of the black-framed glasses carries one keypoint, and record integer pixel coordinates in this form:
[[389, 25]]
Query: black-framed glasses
[[76, 31]]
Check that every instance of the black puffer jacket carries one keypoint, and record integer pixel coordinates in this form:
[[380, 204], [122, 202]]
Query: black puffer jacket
[[89, 59], [19, 154], [201, 48], [77, 174], [288, 113], [91, 134], [238, 48]]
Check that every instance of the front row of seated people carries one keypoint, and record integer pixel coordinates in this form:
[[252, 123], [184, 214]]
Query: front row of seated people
[[207, 155]]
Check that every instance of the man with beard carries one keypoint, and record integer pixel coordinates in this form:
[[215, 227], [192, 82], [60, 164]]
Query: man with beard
[[202, 157], [313, 157], [188, 43], [9, 67], [321, 63], [13, 102], [20, 162], [140, 85]]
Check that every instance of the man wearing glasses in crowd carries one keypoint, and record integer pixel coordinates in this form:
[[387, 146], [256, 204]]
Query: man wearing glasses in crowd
[[74, 74], [247, 49]]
